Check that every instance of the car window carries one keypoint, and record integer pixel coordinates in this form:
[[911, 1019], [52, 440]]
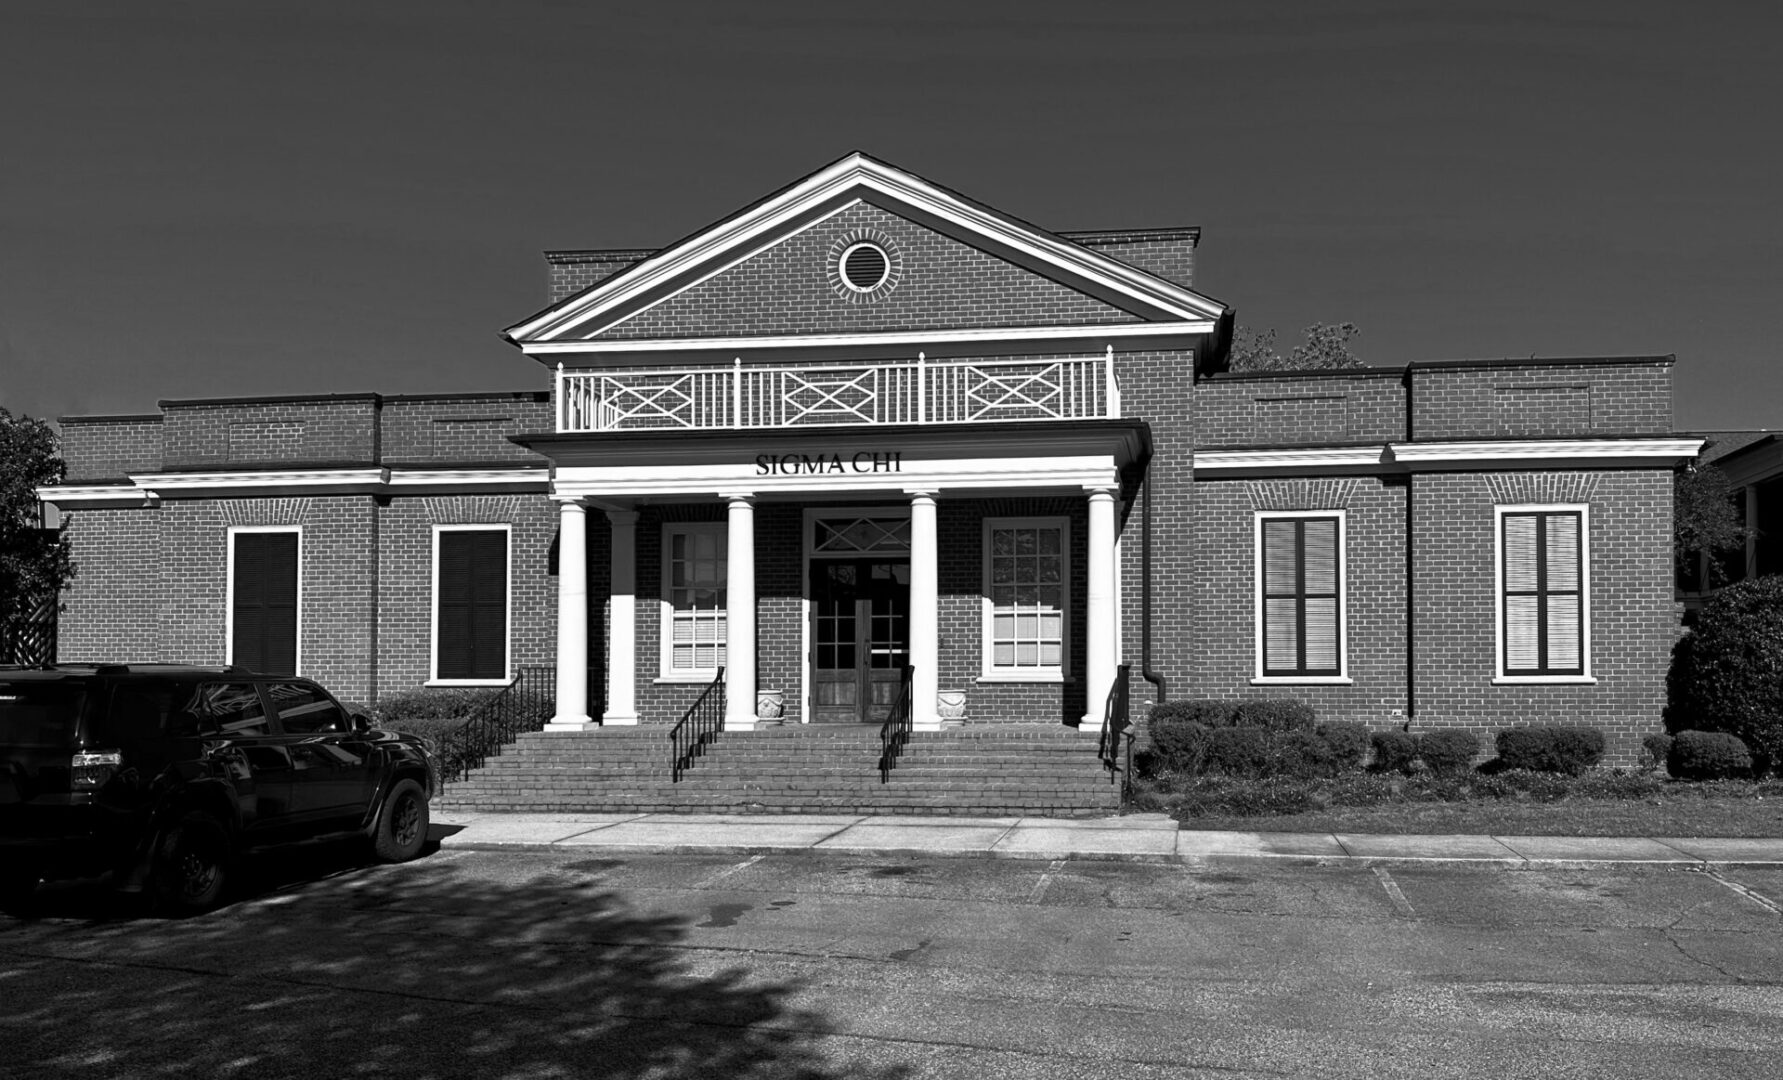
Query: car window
[[40, 713], [306, 710], [137, 710], [234, 708]]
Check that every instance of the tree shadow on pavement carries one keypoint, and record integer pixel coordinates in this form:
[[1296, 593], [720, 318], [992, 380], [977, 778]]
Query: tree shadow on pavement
[[412, 971]]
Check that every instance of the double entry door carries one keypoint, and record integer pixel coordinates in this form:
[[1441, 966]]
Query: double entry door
[[860, 638]]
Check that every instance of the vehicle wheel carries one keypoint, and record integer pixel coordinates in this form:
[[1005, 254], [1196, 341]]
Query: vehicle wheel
[[191, 866], [17, 892], [402, 823]]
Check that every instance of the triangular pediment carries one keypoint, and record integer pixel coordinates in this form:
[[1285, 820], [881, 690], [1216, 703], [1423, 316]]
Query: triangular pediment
[[771, 271]]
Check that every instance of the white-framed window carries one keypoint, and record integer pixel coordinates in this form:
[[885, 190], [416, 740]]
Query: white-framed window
[[1026, 598], [695, 568], [1302, 621], [472, 605], [1543, 601], [263, 612]]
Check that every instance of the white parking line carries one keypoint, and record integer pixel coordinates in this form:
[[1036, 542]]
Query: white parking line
[[1400, 903], [1758, 898], [1039, 892], [727, 872]]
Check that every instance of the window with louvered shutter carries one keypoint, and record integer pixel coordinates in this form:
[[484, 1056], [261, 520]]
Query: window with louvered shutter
[[1544, 585], [471, 641], [263, 602], [1301, 618]]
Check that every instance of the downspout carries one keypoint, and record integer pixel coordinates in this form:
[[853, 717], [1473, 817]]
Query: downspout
[[1145, 592], [1411, 669]]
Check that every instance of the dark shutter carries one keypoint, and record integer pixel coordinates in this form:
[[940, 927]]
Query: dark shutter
[[1544, 631], [264, 613], [473, 604]]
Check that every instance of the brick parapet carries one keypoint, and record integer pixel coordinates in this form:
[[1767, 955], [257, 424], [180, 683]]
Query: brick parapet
[[1330, 409], [1541, 399]]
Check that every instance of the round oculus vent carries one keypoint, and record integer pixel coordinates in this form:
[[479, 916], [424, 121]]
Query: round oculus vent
[[865, 267]]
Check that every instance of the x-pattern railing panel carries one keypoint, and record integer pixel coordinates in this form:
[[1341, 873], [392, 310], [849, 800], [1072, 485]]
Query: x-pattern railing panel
[[942, 392]]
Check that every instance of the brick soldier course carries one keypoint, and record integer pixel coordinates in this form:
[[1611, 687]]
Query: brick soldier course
[[984, 384]]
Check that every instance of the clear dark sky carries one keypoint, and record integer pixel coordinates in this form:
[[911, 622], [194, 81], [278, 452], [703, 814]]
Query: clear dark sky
[[239, 197]]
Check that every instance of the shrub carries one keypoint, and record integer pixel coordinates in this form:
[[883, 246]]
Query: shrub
[[1205, 711], [1394, 751], [1708, 755], [1179, 745], [1238, 751], [1276, 714], [1727, 674], [1301, 755], [1550, 749], [1348, 742], [431, 704], [1448, 752], [1658, 747]]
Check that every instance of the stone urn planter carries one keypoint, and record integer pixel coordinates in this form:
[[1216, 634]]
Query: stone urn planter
[[950, 705], [770, 707]]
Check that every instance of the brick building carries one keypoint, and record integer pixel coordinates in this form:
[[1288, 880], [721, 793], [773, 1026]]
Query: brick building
[[868, 422]]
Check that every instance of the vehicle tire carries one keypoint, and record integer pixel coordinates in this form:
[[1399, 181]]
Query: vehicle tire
[[18, 892], [401, 830], [191, 866]]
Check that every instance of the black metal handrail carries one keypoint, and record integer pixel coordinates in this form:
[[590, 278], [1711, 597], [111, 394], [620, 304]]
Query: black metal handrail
[[526, 704], [1115, 745], [697, 727], [895, 732]]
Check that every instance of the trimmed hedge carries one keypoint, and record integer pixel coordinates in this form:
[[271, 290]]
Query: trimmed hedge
[[1205, 711], [1239, 751], [1448, 752], [1275, 714], [1180, 744], [1659, 748], [1301, 754], [1394, 751], [1727, 673], [1349, 742], [1708, 755], [1568, 750]]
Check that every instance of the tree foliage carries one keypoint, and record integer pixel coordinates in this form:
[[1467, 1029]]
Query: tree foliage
[[1324, 347], [1727, 674], [1705, 521], [34, 562]]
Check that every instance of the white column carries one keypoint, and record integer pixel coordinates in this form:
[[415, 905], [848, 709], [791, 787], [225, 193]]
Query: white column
[[622, 621], [739, 651], [572, 619], [1102, 613], [925, 612]]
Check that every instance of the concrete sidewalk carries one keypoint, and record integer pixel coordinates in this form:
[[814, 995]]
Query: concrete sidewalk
[[1133, 838]]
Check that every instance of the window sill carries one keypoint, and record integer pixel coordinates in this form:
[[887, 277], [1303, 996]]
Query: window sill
[[1544, 680], [685, 680], [506, 681], [1303, 680], [1055, 678]]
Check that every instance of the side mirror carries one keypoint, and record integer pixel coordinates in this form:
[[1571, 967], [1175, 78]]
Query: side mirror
[[361, 722]]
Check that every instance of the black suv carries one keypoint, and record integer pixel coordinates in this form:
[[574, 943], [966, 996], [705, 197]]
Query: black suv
[[157, 775]]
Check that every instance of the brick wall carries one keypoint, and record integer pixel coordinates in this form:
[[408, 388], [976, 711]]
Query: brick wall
[[1239, 410], [110, 447], [573, 271], [1632, 618], [112, 608], [466, 428], [943, 283], [1542, 400], [309, 431], [1168, 253]]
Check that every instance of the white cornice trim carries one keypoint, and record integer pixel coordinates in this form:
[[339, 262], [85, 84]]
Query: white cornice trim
[[537, 477], [95, 496], [361, 479], [1349, 458], [1065, 472], [855, 173], [1438, 456], [912, 338], [1472, 453]]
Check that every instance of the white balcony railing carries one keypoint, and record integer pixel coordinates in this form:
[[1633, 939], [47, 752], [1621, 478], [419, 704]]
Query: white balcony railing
[[839, 395]]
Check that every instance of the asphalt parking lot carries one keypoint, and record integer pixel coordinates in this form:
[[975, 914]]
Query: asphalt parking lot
[[566, 963]]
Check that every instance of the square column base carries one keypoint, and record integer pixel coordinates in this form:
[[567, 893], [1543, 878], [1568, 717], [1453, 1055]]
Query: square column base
[[572, 725], [736, 724], [620, 720]]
